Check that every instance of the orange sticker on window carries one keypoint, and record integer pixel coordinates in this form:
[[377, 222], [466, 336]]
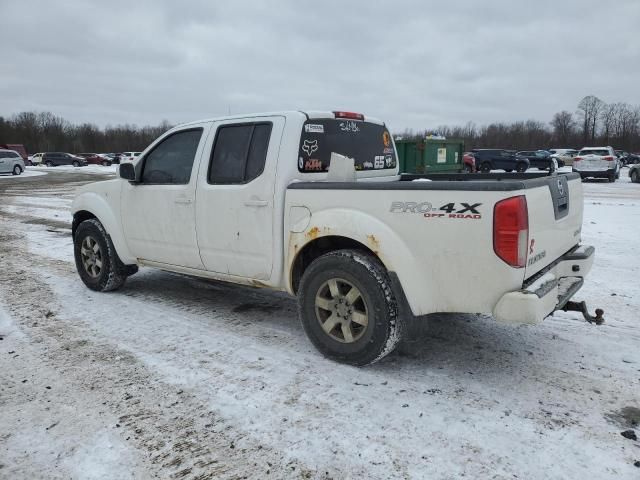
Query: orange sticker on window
[[386, 139]]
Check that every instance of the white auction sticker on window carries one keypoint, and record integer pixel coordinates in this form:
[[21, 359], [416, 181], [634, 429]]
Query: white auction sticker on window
[[313, 128]]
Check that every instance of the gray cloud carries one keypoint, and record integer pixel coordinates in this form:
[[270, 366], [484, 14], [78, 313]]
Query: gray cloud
[[414, 64]]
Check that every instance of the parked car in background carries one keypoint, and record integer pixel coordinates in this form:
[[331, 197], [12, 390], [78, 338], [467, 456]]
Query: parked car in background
[[55, 159], [11, 162], [129, 156], [634, 173], [627, 158], [597, 162], [468, 162], [95, 159], [488, 159], [540, 159], [17, 147], [36, 158], [564, 156]]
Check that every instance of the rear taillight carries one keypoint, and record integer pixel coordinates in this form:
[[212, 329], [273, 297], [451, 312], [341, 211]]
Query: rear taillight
[[511, 230], [577, 159], [608, 158], [349, 115]]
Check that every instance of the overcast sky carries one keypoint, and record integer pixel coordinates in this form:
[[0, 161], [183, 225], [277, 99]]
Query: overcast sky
[[411, 64]]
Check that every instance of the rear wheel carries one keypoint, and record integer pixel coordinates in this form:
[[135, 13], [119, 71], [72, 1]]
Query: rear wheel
[[521, 167], [635, 176], [485, 167], [76, 163], [48, 164], [105, 163], [508, 170], [347, 308], [17, 170], [612, 177], [97, 262]]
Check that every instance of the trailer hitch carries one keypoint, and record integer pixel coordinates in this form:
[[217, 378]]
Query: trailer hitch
[[582, 308]]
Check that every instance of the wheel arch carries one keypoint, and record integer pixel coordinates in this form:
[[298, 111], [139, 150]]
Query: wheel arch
[[336, 230], [91, 205]]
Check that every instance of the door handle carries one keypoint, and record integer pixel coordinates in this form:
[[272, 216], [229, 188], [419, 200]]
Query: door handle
[[256, 203], [183, 201]]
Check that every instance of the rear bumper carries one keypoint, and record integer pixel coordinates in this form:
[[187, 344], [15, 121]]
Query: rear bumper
[[595, 173], [548, 290]]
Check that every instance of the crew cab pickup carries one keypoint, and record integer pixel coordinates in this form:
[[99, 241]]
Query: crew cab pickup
[[312, 204]]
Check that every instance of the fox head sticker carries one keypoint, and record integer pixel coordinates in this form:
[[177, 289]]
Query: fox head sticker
[[310, 146]]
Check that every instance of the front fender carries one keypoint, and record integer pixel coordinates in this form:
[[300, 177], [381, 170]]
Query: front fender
[[370, 231], [104, 204]]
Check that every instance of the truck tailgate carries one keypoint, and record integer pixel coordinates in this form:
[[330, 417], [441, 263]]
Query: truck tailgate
[[555, 220]]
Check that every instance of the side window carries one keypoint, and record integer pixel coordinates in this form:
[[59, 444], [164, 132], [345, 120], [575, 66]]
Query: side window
[[171, 161], [239, 153], [3, 155]]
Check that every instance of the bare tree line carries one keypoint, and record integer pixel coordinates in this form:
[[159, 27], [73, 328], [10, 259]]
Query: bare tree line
[[595, 123], [46, 132]]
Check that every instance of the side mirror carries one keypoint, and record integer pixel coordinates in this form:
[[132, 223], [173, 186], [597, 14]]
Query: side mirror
[[127, 172]]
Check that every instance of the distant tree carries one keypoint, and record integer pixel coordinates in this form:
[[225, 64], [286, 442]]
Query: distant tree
[[563, 127], [589, 109]]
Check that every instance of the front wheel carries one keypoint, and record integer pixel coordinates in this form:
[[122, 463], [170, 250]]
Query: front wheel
[[17, 170], [97, 262], [521, 167], [76, 163], [347, 307]]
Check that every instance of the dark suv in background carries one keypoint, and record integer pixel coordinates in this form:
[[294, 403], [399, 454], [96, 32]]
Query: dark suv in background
[[491, 159], [54, 159]]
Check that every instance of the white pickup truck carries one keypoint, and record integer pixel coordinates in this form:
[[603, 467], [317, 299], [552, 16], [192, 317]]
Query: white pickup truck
[[251, 200]]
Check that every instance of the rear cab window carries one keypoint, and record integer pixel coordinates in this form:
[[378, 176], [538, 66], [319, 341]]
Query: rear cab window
[[369, 144]]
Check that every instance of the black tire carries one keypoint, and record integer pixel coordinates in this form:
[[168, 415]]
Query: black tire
[[612, 177], [105, 163], [467, 169], [508, 170], [17, 170], [635, 176], [76, 163], [112, 273], [350, 268], [48, 164], [521, 167], [485, 167]]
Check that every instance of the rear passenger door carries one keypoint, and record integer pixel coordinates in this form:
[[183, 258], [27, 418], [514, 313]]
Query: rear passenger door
[[235, 211]]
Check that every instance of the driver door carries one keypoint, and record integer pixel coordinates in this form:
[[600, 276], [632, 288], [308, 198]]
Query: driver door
[[158, 213]]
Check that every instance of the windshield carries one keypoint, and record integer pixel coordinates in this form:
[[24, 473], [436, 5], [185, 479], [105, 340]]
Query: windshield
[[369, 144]]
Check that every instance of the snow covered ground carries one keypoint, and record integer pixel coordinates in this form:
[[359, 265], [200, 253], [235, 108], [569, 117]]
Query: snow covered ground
[[175, 377], [91, 169], [27, 173]]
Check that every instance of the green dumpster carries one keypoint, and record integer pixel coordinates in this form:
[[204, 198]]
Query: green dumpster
[[430, 155]]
